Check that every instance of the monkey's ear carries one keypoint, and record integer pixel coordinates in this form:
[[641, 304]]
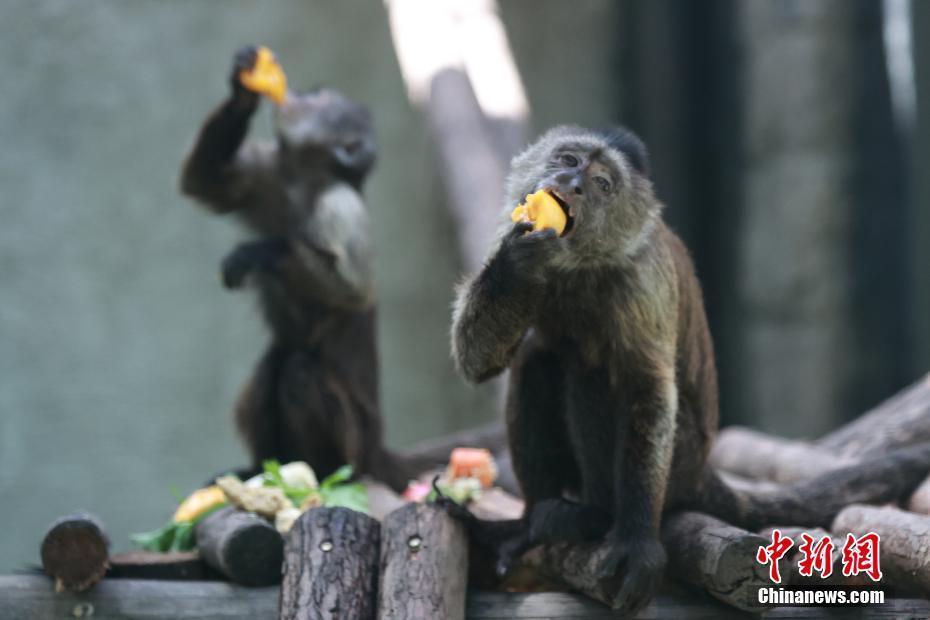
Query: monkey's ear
[[628, 143]]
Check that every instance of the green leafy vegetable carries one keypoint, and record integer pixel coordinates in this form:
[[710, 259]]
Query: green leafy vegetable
[[272, 478], [173, 536]]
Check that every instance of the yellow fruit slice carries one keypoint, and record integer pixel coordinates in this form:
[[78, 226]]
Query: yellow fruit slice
[[199, 502], [266, 77], [542, 210]]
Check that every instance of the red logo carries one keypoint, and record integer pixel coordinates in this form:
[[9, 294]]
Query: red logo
[[859, 555], [816, 556], [774, 552]]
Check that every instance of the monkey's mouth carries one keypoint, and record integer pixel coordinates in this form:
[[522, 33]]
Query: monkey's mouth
[[567, 209]]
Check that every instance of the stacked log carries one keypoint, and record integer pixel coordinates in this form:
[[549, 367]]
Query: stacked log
[[330, 566], [75, 552], [424, 565], [244, 547]]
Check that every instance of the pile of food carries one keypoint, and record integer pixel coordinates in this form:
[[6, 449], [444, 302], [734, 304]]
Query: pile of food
[[470, 471], [281, 493]]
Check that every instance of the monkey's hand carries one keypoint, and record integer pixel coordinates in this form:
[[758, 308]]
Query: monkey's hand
[[243, 60], [529, 253], [249, 257], [640, 563]]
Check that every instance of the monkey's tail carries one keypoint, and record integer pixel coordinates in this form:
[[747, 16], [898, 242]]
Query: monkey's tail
[[815, 502]]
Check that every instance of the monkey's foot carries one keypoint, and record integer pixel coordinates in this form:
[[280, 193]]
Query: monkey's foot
[[641, 563]]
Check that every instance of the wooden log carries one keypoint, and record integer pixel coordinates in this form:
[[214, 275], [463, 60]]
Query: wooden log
[[703, 552], [920, 499], [747, 485], [716, 557], [902, 420], [759, 456], [330, 566], [175, 565], [75, 552], [424, 565], [905, 542], [27, 596], [242, 546], [496, 505], [877, 479]]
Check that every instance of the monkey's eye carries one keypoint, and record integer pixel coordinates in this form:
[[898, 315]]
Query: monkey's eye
[[602, 183], [569, 160], [352, 146]]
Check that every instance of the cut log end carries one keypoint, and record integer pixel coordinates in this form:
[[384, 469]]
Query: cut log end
[[75, 552], [242, 546], [716, 557]]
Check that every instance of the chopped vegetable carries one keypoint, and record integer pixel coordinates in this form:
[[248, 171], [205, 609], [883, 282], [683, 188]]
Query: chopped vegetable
[[281, 493], [459, 490], [336, 490], [266, 77], [299, 475], [178, 534], [472, 463], [543, 210], [265, 501], [199, 502]]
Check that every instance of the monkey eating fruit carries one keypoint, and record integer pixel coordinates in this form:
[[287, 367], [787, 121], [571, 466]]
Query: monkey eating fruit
[[612, 399], [313, 396]]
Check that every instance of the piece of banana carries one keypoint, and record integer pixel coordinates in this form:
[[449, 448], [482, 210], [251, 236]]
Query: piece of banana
[[266, 77], [542, 210]]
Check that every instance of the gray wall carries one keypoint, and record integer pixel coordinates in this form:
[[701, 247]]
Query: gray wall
[[120, 353]]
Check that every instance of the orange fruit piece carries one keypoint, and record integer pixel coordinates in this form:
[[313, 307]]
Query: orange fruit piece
[[542, 210], [266, 77], [473, 463]]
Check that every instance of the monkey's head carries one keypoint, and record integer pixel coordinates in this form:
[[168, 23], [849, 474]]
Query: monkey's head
[[323, 127], [601, 181]]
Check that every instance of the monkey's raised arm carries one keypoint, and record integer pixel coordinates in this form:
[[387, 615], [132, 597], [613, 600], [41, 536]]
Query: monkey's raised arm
[[334, 249], [494, 309], [218, 171]]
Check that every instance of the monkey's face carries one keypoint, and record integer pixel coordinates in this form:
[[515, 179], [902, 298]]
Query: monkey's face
[[324, 126], [609, 203]]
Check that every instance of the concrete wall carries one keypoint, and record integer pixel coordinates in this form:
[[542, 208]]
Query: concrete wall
[[120, 353]]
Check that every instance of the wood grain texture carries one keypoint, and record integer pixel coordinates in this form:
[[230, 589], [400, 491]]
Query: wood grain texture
[[717, 557], [330, 566], [424, 565], [905, 542], [902, 420]]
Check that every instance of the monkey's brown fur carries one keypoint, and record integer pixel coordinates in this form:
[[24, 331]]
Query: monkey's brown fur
[[314, 394], [612, 403]]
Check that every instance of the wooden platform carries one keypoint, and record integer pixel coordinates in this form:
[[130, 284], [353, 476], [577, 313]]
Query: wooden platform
[[27, 597]]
